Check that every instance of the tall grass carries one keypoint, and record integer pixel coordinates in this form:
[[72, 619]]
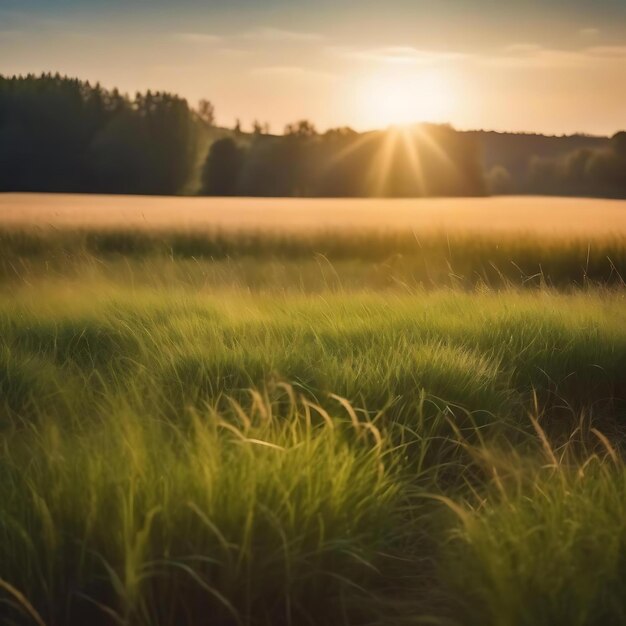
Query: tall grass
[[263, 433], [543, 541], [317, 261], [170, 351], [239, 518]]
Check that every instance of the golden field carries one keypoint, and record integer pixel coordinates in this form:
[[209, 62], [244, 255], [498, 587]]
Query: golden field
[[505, 214]]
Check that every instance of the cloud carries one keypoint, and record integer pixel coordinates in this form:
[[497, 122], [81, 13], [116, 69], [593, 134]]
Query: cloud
[[520, 55], [615, 52], [399, 55], [233, 52], [197, 38], [535, 56], [523, 49], [174, 68], [590, 32], [277, 34], [517, 55], [294, 71]]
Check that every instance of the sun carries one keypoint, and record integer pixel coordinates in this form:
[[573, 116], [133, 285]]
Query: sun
[[405, 97]]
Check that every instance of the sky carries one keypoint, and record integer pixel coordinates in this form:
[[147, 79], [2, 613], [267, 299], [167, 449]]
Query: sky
[[549, 66]]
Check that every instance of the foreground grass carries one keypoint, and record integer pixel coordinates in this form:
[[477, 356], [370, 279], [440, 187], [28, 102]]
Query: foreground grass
[[251, 430], [144, 483], [542, 542], [135, 520]]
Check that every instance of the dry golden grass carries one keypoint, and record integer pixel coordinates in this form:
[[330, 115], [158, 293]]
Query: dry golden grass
[[539, 215]]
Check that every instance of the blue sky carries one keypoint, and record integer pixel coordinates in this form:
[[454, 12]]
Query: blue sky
[[554, 66]]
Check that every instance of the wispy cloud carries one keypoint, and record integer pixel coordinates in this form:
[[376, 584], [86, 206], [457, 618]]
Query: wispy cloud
[[523, 49], [532, 55], [589, 32], [197, 38], [399, 55], [233, 52], [517, 55], [615, 52], [294, 71], [278, 34], [537, 56]]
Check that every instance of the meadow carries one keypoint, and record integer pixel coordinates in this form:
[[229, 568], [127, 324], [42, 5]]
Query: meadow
[[330, 425]]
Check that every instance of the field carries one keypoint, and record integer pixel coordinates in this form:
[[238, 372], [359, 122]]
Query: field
[[208, 418], [502, 215]]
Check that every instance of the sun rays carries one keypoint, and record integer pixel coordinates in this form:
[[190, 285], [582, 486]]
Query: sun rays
[[408, 147], [406, 101], [406, 151]]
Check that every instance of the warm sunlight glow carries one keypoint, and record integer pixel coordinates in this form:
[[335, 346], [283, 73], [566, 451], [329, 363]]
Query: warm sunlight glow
[[404, 98]]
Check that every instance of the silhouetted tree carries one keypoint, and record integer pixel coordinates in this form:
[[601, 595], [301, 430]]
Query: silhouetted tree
[[342, 132], [499, 181], [618, 143], [301, 129], [206, 112], [222, 169]]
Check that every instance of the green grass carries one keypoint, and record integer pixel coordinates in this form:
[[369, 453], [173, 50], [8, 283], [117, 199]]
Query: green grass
[[548, 546], [258, 434], [160, 523], [316, 261]]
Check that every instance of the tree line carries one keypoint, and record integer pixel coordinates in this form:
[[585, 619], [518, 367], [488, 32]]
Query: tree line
[[425, 160], [63, 134], [583, 172]]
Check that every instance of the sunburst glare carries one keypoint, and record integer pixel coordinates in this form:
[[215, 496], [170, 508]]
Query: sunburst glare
[[404, 97]]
